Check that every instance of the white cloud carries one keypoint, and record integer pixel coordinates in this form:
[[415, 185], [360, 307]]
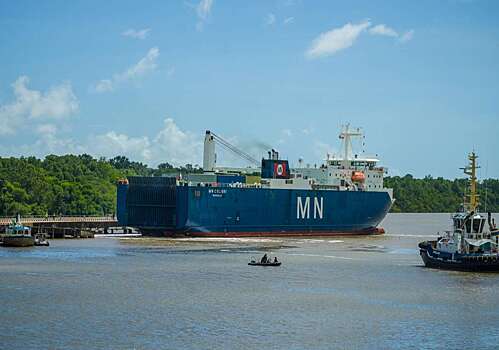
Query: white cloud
[[270, 19], [382, 29], [407, 36], [289, 20], [57, 103], [137, 34], [287, 132], [170, 144], [203, 10], [170, 71], [176, 146], [104, 85], [112, 144], [146, 65], [337, 39], [47, 141], [46, 129], [308, 130], [322, 149]]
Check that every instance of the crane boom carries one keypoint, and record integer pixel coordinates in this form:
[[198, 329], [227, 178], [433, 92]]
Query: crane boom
[[209, 158], [235, 150]]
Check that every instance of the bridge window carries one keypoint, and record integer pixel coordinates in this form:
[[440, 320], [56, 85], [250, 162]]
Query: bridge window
[[478, 225]]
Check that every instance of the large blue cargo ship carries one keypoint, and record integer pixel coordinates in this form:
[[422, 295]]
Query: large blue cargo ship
[[343, 196]]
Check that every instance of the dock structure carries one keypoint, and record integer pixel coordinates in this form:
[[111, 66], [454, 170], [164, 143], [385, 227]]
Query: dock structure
[[55, 226]]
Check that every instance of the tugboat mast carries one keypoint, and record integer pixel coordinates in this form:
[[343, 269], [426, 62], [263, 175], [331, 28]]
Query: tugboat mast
[[470, 170]]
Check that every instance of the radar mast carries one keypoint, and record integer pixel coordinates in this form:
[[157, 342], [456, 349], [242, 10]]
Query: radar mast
[[471, 200], [346, 135]]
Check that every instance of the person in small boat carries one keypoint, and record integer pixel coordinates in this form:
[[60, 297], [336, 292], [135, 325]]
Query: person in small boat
[[275, 259], [264, 259]]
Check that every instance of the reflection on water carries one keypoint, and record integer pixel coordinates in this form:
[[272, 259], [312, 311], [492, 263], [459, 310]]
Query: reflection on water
[[348, 292], [56, 253]]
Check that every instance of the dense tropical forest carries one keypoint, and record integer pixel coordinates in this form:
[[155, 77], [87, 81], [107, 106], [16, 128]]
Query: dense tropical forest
[[438, 195], [83, 185], [67, 185]]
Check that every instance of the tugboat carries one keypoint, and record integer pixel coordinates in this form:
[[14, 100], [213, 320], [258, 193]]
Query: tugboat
[[472, 245], [18, 235]]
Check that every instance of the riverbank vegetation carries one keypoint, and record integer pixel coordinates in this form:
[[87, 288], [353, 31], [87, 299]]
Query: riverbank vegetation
[[83, 185], [438, 195]]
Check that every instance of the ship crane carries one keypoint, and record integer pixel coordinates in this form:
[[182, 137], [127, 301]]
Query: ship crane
[[209, 156]]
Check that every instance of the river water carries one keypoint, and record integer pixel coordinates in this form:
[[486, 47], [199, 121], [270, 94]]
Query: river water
[[330, 293]]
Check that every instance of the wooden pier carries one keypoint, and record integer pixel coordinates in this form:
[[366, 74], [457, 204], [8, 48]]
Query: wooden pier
[[66, 226]]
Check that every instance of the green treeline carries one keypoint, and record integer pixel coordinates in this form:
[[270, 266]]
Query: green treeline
[[429, 195], [67, 185], [83, 185]]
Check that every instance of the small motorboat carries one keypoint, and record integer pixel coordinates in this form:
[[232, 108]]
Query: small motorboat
[[41, 241], [264, 262], [257, 263]]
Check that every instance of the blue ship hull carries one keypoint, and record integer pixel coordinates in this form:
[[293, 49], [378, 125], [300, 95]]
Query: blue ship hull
[[245, 211], [459, 262]]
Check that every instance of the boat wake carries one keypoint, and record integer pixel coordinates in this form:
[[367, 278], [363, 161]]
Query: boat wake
[[228, 240], [323, 256]]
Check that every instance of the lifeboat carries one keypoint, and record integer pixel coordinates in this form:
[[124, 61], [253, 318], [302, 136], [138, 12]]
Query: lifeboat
[[358, 176]]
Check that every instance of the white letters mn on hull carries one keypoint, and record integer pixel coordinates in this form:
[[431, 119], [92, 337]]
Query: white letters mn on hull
[[303, 208]]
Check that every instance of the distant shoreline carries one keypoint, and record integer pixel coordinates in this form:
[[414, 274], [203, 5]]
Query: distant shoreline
[[83, 185]]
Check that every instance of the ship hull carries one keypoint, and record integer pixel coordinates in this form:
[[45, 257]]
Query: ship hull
[[18, 241], [245, 211], [276, 212], [470, 263], [311, 233]]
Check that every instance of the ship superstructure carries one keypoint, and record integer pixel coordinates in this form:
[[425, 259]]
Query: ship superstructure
[[343, 196], [349, 170]]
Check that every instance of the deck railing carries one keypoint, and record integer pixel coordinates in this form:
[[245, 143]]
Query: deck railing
[[59, 219]]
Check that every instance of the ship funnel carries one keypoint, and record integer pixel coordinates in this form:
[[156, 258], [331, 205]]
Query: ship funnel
[[275, 154]]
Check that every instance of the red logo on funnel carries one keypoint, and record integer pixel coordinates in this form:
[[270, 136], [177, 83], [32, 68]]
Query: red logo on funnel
[[280, 170]]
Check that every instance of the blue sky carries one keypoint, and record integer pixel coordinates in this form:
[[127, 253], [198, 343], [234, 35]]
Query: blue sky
[[145, 79]]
